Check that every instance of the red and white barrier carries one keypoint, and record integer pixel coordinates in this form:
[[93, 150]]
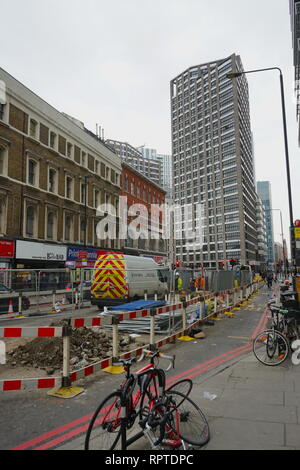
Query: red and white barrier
[[31, 332]]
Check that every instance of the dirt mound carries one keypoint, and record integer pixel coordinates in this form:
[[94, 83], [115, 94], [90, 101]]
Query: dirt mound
[[87, 345]]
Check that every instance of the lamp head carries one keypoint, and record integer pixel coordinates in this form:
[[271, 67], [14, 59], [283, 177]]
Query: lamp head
[[232, 75]]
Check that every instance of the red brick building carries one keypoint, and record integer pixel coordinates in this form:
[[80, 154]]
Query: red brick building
[[143, 197]]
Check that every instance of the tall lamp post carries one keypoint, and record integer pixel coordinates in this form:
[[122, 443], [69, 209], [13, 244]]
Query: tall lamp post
[[282, 238], [233, 75]]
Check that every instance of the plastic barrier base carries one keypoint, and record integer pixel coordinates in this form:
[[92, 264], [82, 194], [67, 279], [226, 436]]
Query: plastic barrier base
[[114, 370], [65, 392], [185, 338]]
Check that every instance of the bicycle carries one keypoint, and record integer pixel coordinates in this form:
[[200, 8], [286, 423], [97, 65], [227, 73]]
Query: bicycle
[[271, 347], [149, 406]]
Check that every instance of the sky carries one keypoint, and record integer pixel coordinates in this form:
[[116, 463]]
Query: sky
[[111, 63]]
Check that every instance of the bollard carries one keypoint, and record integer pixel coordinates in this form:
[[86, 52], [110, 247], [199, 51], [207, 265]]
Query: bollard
[[152, 329], [20, 307], [66, 390], [145, 295], [54, 298], [115, 369], [76, 299], [184, 324], [227, 300], [155, 296]]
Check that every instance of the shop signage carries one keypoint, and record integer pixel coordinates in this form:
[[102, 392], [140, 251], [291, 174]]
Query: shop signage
[[79, 254], [40, 251], [7, 249]]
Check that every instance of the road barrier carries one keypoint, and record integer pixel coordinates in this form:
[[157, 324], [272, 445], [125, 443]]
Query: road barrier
[[68, 378]]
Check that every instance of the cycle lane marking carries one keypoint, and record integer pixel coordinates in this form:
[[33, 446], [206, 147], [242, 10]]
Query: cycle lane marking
[[197, 370]]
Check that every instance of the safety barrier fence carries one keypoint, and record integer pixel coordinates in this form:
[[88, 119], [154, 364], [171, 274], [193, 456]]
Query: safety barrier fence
[[113, 319], [55, 300]]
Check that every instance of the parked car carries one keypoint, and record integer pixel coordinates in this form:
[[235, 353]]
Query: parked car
[[72, 286], [5, 300]]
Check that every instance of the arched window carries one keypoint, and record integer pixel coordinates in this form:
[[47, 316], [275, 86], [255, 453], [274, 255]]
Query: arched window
[[30, 221], [68, 227], [50, 225]]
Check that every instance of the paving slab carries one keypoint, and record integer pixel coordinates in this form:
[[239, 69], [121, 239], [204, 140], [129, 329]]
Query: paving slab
[[241, 434]]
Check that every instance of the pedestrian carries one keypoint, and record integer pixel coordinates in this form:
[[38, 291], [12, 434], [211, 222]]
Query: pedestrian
[[193, 285], [269, 280], [178, 283]]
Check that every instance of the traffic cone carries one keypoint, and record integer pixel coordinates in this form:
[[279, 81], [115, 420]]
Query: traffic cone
[[10, 308]]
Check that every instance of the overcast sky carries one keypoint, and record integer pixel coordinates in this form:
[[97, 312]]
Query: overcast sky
[[111, 63]]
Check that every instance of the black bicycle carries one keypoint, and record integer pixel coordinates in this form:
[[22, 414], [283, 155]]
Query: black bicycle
[[271, 347], [143, 407]]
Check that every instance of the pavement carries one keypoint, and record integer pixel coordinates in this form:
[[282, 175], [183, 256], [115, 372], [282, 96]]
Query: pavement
[[251, 406]]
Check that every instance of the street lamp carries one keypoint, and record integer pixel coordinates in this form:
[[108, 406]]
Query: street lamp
[[239, 74], [85, 208]]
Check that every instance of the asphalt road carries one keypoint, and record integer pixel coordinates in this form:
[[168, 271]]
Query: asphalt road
[[34, 420]]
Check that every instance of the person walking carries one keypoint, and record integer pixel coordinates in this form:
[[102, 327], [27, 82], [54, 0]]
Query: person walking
[[269, 280], [178, 283]]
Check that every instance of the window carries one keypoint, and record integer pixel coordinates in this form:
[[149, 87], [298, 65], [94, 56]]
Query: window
[[3, 160], [31, 221], [33, 128], [53, 140], [3, 214], [69, 150], [52, 180], [2, 106], [68, 227], [83, 227], [83, 193], [83, 159], [69, 189], [32, 176], [97, 198], [51, 225]]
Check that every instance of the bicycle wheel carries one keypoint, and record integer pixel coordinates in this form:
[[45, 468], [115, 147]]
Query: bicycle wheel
[[270, 347], [104, 431], [183, 386], [186, 419]]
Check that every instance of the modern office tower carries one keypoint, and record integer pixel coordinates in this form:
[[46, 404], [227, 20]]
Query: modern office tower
[[148, 167], [213, 163], [261, 225], [295, 27], [167, 166], [264, 192]]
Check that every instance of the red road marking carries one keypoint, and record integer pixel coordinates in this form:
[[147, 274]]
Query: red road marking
[[201, 368]]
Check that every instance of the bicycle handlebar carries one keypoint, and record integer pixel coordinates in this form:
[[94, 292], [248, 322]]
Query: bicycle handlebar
[[158, 354]]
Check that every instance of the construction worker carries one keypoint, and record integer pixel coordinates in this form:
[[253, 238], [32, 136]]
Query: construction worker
[[178, 283]]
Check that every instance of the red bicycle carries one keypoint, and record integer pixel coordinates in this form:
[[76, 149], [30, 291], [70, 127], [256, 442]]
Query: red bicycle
[[167, 418]]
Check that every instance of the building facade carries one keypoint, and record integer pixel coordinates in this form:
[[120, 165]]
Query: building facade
[[295, 28], [213, 163], [148, 167], [262, 247], [140, 215], [54, 176], [166, 165], [265, 194]]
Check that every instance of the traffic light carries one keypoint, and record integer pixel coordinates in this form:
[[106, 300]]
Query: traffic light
[[177, 264], [233, 261]]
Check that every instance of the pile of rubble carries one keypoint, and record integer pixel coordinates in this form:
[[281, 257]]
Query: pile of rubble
[[87, 346]]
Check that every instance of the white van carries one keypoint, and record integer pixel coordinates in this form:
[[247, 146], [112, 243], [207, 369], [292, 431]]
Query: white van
[[119, 278]]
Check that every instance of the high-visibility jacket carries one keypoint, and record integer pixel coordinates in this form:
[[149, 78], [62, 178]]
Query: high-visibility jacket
[[178, 283]]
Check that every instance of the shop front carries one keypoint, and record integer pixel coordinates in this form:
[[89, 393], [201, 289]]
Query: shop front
[[7, 254], [39, 266]]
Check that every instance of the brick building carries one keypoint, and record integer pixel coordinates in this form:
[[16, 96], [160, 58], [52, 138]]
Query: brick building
[[54, 173], [147, 195]]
